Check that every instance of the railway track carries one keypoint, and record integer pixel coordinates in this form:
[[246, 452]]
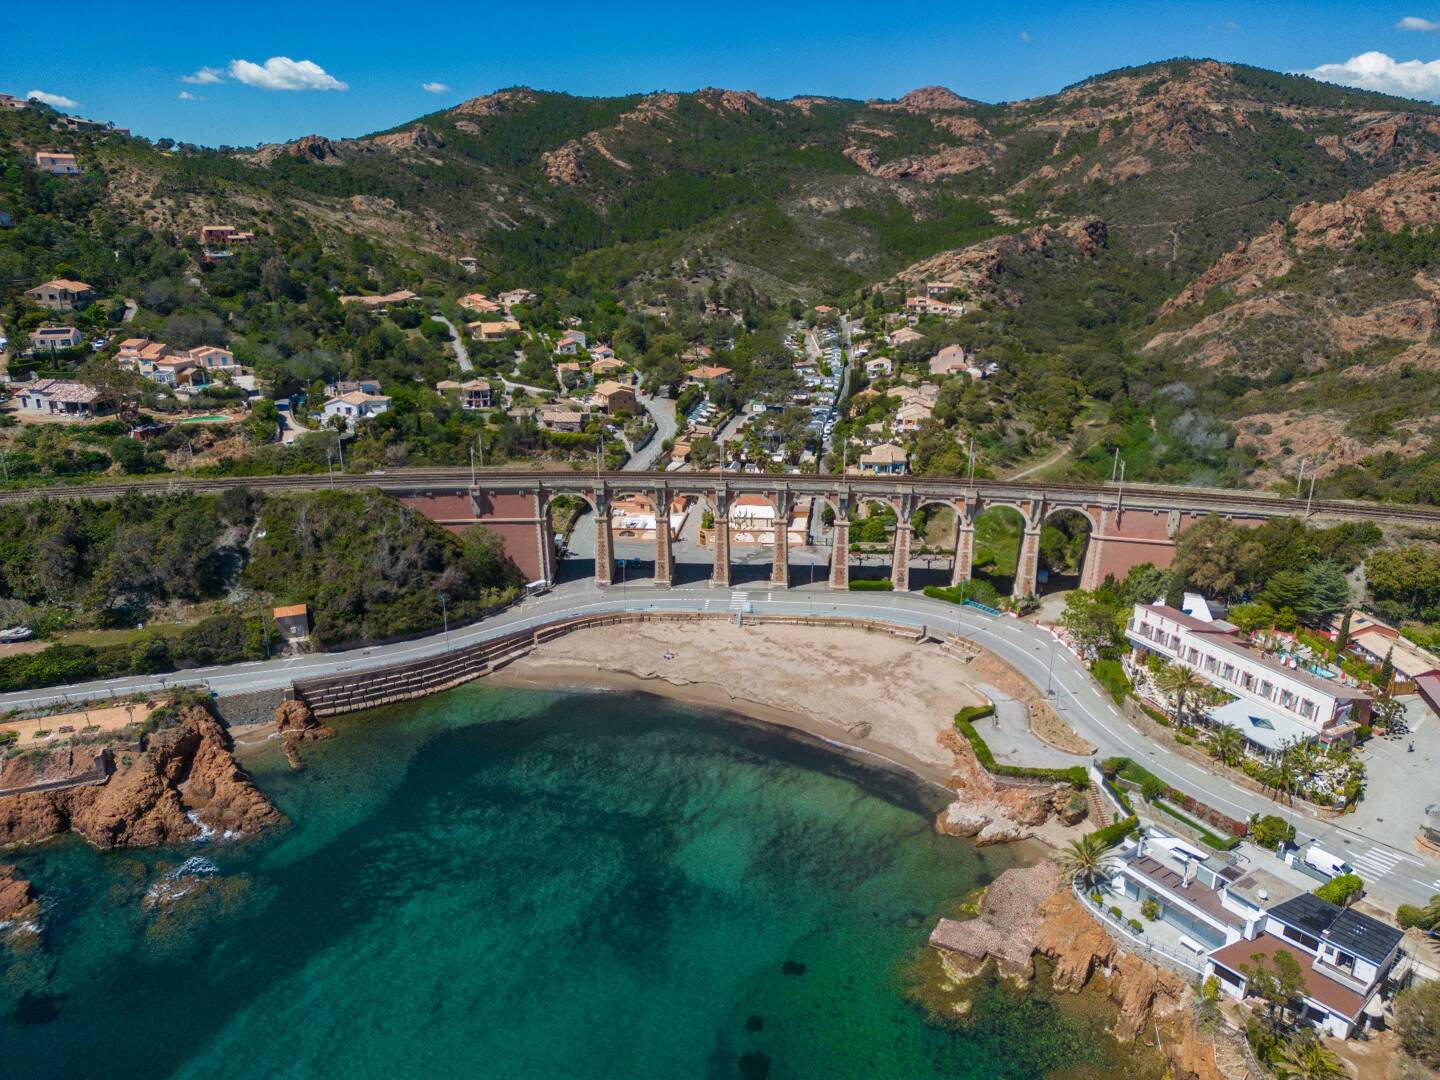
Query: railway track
[[1135, 496]]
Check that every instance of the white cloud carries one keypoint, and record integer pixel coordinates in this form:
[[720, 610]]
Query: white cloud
[[1410, 22], [185, 95], [282, 73], [59, 101], [204, 77], [1376, 71], [1025, 36], [435, 87]]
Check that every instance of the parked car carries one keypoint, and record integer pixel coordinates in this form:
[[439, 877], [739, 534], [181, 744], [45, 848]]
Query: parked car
[[1332, 866]]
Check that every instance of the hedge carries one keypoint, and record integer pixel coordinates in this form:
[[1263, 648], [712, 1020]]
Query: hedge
[[872, 585], [1116, 831], [1111, 675], [980, 591], [1075, 775], [1126, 769]]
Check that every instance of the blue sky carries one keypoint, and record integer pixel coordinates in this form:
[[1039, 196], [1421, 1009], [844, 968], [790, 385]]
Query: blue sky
[[272, 71]]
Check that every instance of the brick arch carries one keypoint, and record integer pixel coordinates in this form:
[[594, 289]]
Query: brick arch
[[1092, 544]]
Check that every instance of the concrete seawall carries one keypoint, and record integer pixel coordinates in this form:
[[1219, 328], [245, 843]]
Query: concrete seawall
[[405, 682]]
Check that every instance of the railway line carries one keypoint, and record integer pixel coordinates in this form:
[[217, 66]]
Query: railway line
[[412, 480]]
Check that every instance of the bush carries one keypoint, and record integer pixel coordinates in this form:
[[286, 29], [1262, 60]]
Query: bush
[[1116, 831], [1116, 912], [1136, 926], [1417, 1022], [1341, 890], [1407, 915], [872, 585], [1075, 775], [1269, 831], [982, 592], [1152, 787], [1111, 675], [1150, 909]]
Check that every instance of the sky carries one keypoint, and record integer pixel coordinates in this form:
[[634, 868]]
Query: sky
[[218, 74]]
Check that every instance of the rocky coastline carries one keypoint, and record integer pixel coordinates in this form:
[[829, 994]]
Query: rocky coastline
[[179, 782], [1030, 925]]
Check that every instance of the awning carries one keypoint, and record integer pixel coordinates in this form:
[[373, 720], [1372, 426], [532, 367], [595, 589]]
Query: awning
[[1374, 1008], [1267, 728]]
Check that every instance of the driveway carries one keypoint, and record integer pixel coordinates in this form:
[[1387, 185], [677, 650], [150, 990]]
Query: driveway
[[457, 342], [662, 411]]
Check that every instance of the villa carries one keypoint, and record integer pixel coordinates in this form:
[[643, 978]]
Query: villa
[[62, 294], [706, 374], [479, 302], [951, 360], [357, 405], [493, 331], [887, 459], [58, 398], [570, 343], [615, 397], [1273, 702], [1225, 915], [380, 303], [55, 338], [904, 336], [56, 164]]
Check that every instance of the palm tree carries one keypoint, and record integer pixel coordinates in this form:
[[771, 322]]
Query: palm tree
[[1180, 684], [1308, 1059], [1086, 859], [1228, 745], [1282, 775]]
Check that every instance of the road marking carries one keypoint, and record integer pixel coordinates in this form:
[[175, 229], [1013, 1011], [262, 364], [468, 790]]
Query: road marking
[[1377, 862]]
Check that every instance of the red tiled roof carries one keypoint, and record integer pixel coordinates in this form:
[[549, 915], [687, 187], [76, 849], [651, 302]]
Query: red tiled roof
[[1327, 991]]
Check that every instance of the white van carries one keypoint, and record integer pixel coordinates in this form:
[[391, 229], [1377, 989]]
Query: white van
[[537, 587], [1317, 858]]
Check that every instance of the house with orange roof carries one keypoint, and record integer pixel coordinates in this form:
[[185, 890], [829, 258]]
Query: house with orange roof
[[62, 294]]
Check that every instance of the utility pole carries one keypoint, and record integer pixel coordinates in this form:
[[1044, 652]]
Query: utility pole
[[1311, 497], [1115, 464], [1120, 496], [445, 616], [340, 449], [1050, 668], [330, 464], [972, 460], [1299, 478], [472, 466]]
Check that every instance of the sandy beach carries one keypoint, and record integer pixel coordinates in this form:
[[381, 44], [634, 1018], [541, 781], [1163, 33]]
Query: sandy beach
[[879, 694]]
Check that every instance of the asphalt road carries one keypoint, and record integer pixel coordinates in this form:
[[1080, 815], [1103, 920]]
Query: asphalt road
[[662, 411], [457, 342], [1394, 876]]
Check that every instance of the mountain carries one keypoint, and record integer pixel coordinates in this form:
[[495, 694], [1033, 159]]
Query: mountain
[[1234, 260]]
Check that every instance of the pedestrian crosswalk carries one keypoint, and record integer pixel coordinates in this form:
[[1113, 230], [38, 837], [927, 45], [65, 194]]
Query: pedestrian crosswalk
[[1376, 863], [737, 601]]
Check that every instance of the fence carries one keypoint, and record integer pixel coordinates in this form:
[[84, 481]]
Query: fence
[[1192, 967]]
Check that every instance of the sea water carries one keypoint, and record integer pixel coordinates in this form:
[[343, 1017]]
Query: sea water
[[503, 883]]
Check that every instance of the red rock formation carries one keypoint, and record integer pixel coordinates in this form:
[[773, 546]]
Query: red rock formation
[[928, 99], [1243, 270], [495, 104], [183, 768], [294, 720], [976, 268], [563, 165], [17, 896]]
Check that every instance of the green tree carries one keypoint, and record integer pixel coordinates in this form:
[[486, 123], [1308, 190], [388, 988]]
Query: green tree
[[1342, 637], [1329, 592], [1252, 616], [1343, 889], [1228, 745], [1091, 621], [1218, 557], [1277, 981], [1271, 830], [1387, 672], [1306, 1058], [1181, 685], [1287, 589], [1417, 1022], [1086, 860]]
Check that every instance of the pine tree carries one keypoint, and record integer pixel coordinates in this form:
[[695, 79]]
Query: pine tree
[[1387, 671], [1342, 639]]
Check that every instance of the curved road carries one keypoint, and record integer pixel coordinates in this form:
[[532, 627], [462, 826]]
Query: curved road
[[1029, 649], [457, 342]]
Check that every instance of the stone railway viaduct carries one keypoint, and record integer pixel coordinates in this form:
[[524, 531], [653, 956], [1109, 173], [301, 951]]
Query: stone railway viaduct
[[1129, 524]]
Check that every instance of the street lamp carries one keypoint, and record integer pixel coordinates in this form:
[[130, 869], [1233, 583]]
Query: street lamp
[[1050, 668], [445, 615]]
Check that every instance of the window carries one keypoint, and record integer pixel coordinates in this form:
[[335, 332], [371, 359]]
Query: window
[[1343, 961], [1301, 938], [1228, 673], [1266, 688], [1307, 708], [1247, 680], [1210, 664]]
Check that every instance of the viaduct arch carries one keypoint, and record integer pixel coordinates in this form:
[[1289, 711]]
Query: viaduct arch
[[1125, 529]]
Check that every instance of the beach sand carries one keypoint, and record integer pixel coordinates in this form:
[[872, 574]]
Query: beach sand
[[882, 695]]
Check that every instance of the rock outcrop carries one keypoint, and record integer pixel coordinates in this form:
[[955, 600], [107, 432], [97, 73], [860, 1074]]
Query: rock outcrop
[[17, 896], [1004, 931], [181, 784], [978, 268], [1242, 271], [990, 810], [294, 720]]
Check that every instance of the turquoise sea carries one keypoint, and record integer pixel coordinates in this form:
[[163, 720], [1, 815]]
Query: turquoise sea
[[499, 883]]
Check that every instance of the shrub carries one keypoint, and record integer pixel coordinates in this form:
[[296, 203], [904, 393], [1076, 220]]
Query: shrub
[[1075, 775], [1407, 915], [1116, 912], [1136, 926], [1111, 675], [1150, 909], [1152, 787], [872, 585], [982, 592], [1269, 831], [1417, 1021], [1341, 890], [1116, 831]]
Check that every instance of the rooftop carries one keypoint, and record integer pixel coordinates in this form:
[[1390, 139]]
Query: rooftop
[[1196, 894], [1365, 937], [1307, 912], [1318, 987]]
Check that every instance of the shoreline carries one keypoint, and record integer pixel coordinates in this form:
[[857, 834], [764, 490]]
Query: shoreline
[[578, 678]]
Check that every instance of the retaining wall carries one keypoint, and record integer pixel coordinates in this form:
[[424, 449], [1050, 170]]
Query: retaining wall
[[418, 678]]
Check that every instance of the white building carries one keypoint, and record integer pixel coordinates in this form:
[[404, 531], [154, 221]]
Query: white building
[[1273, 700], [356, 405]]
